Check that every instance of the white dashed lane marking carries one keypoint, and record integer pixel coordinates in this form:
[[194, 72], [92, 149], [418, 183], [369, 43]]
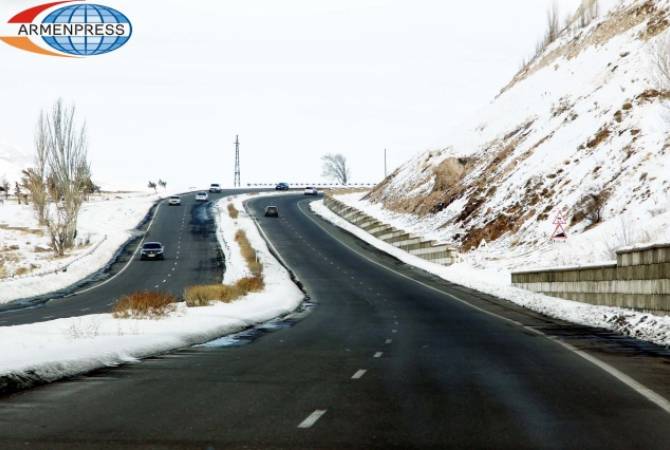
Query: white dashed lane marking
[[312, 418], [359, 374]]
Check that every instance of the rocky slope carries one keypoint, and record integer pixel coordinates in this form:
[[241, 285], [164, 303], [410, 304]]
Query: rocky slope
[[582, 130]]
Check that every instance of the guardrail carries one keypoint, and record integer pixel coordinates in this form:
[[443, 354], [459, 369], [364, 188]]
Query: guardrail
[[322, 185], [429, 250], [640, 280]]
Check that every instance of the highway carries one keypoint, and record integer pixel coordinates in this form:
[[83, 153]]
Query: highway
[[389, 357], [191, 257]]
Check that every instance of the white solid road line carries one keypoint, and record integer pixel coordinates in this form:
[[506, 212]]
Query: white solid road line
[[644, 391], [312, 418], [359, 374], [378, 355], [132, 258]]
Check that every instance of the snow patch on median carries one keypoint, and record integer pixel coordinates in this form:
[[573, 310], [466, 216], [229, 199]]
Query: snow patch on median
[[48, 351], [643, 326]]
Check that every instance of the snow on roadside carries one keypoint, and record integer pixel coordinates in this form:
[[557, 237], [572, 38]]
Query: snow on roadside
[[497, 282], [48, 351], [105, 224]]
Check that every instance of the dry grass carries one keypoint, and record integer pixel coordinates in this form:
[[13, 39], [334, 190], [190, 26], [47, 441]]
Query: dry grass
[[144, 305], [202, 295], [248, 253], [232, 211]]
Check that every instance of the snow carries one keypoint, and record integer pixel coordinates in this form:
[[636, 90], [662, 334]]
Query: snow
[[558, 108], [106, 222], [51, 350], [496, 281]]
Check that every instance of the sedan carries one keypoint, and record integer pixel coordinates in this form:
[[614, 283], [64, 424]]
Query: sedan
[[281, 187], [174, 201], [152, 250], [201, 197], [311, 191], [271, 211]]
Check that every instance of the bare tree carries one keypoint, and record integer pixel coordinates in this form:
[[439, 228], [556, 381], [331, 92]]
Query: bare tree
[[4, 184], [17, 192], [661, 64], [336, 168], [587, 12], [57, 183], [553, 24], [152, 185], [162, 184]]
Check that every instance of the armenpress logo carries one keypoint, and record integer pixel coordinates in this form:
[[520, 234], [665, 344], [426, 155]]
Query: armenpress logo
[[74, 30]]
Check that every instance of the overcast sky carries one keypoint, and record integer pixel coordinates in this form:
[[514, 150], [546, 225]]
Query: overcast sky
[[294, 78]]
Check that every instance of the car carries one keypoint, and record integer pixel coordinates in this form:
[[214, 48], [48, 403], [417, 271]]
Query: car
[[201, 196], [310, 190], [271, 211], [152, 250], [175, 200], [215, 188], [281, 187]]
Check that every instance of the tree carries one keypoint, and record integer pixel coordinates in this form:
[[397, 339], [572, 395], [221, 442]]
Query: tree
[[152, 185], [17, 192], [162, 184], [336, 168], [4, 184], [57, 184], [661, 63]]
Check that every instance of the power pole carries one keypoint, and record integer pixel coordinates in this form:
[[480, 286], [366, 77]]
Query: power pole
[[237, 183], [385, 172]]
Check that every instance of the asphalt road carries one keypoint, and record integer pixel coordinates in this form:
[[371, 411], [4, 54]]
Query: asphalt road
[[191, 257], [382, 361]]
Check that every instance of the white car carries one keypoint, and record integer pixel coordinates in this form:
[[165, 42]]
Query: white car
[[174, 201], [311, 191], [201, 197], [215, 188]]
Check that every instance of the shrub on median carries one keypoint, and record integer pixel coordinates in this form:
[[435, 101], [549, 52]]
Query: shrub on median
[[144, 305], [232, 211], [248, 253], [202, 295]]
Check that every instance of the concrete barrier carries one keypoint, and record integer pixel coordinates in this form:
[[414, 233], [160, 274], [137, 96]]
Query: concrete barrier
[[640, 280], [428, 250]]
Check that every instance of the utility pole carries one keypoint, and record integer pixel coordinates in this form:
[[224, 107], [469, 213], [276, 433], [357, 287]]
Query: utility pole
[[237, 183], [385, 172]]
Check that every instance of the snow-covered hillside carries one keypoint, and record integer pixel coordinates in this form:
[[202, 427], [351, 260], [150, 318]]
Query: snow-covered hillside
[[583, 130]]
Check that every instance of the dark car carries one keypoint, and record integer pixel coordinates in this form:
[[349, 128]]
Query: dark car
[[152, 250], [281, 187], [271, 211]]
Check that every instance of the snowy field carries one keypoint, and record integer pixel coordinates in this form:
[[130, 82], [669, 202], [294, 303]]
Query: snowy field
[[28, 267], [51, 350], [495, 280]]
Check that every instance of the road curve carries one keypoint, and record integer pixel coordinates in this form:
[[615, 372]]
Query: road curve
[[191, 256], [381, 362]]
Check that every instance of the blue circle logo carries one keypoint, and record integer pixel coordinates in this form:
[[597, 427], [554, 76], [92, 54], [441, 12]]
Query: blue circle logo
[[97, 29]]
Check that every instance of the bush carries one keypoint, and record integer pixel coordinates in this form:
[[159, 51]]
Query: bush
[[144, 305], [232, 211], [248, 253], [202, 295]]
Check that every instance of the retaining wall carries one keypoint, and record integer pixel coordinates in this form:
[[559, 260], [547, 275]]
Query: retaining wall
[[640, 280], [428, 250]]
